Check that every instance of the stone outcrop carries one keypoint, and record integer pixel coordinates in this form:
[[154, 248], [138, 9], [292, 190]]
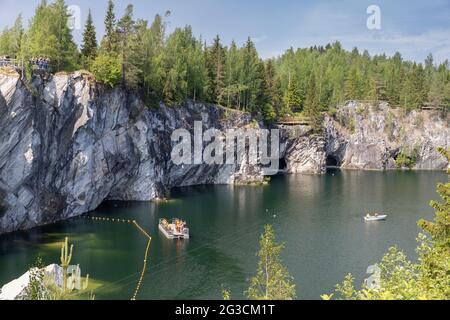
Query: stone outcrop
[[17, 288], [372, 136], [301, 151], [368, 136], [67, 144]]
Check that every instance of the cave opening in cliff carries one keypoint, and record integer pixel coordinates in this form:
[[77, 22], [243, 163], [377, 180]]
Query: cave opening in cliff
[[283, 164], [332, 161]]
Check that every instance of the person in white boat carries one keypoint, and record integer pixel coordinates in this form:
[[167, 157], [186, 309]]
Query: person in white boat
[[375, 215]]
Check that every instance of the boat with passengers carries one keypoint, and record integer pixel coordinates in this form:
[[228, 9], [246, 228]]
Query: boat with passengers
[[375, 217], [175, 229]]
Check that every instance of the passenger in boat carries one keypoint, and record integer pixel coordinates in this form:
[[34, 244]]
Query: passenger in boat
[[179, 226]]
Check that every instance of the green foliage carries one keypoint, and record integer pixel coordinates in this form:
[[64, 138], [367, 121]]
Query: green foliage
[[413, 94], [226, 294], [362, 111], [292, 97], [42, 286], [440, 228], [66, 257], [346, 122], [126, 33], [401, 279], [216, 67], [312, 107], [184, 78], [107, 69], [11, 39], [146, 57], [446, 154], [110, 40], [272, 87], [353, 85], [272, 281], [407, 159], [176, 67], [268, 113], [89, 46], [50, 36], [36, 289], [332, 112]]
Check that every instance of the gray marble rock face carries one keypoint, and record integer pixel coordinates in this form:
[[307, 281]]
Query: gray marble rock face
[[371, 136], [67, 144]]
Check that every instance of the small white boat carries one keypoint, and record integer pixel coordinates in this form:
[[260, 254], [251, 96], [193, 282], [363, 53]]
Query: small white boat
[[176, 229], [370, 218]]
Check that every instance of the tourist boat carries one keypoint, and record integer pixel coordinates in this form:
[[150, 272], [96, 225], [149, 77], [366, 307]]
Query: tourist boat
[[375, 217], [176, 229]]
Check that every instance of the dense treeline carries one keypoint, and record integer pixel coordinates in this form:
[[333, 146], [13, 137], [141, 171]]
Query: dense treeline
[[178, 66]]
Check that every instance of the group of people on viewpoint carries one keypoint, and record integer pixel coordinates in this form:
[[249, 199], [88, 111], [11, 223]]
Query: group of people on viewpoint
[[40, 63], [5, 61]]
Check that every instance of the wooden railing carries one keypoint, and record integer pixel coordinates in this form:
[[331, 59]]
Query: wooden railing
[[429, 107], [294, 121]]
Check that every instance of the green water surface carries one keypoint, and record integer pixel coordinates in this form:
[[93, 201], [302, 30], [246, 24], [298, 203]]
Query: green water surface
[[320, 218]]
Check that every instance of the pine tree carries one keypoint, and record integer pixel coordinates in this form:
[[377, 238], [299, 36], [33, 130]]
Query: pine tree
[[272, 280], [184, 72], [352, 85], [429, 67], [232, 79], [394, 76], [436, 95], [292, 97], [125, 33], [89, 46], [110, 39], [312, 107], [216, 61], [414, 92], [154, 44], [66, 48], [272, 86], [250, 78]]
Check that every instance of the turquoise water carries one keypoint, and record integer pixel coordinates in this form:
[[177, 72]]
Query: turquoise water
[[320, 218]]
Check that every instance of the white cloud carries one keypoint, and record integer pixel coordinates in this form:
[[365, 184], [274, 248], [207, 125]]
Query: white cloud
[[259, 39], [415, 47]]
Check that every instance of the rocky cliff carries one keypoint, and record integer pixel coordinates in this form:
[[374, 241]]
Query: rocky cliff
[[67, 144], [368, 136], [374, 136]]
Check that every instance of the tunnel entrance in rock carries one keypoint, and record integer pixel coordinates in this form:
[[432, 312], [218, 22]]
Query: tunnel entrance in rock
[[283, 164], [332, 161]]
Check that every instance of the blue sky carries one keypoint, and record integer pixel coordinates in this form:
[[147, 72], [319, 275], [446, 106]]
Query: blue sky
[[415, 28]]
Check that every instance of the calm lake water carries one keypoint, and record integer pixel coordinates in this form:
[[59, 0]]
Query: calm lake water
[[320, 218]]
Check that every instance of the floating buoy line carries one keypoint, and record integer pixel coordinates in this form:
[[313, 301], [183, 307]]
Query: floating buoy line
[[142, 231]]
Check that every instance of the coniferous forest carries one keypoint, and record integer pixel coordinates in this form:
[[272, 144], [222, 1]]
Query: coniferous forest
[[173, 68]]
